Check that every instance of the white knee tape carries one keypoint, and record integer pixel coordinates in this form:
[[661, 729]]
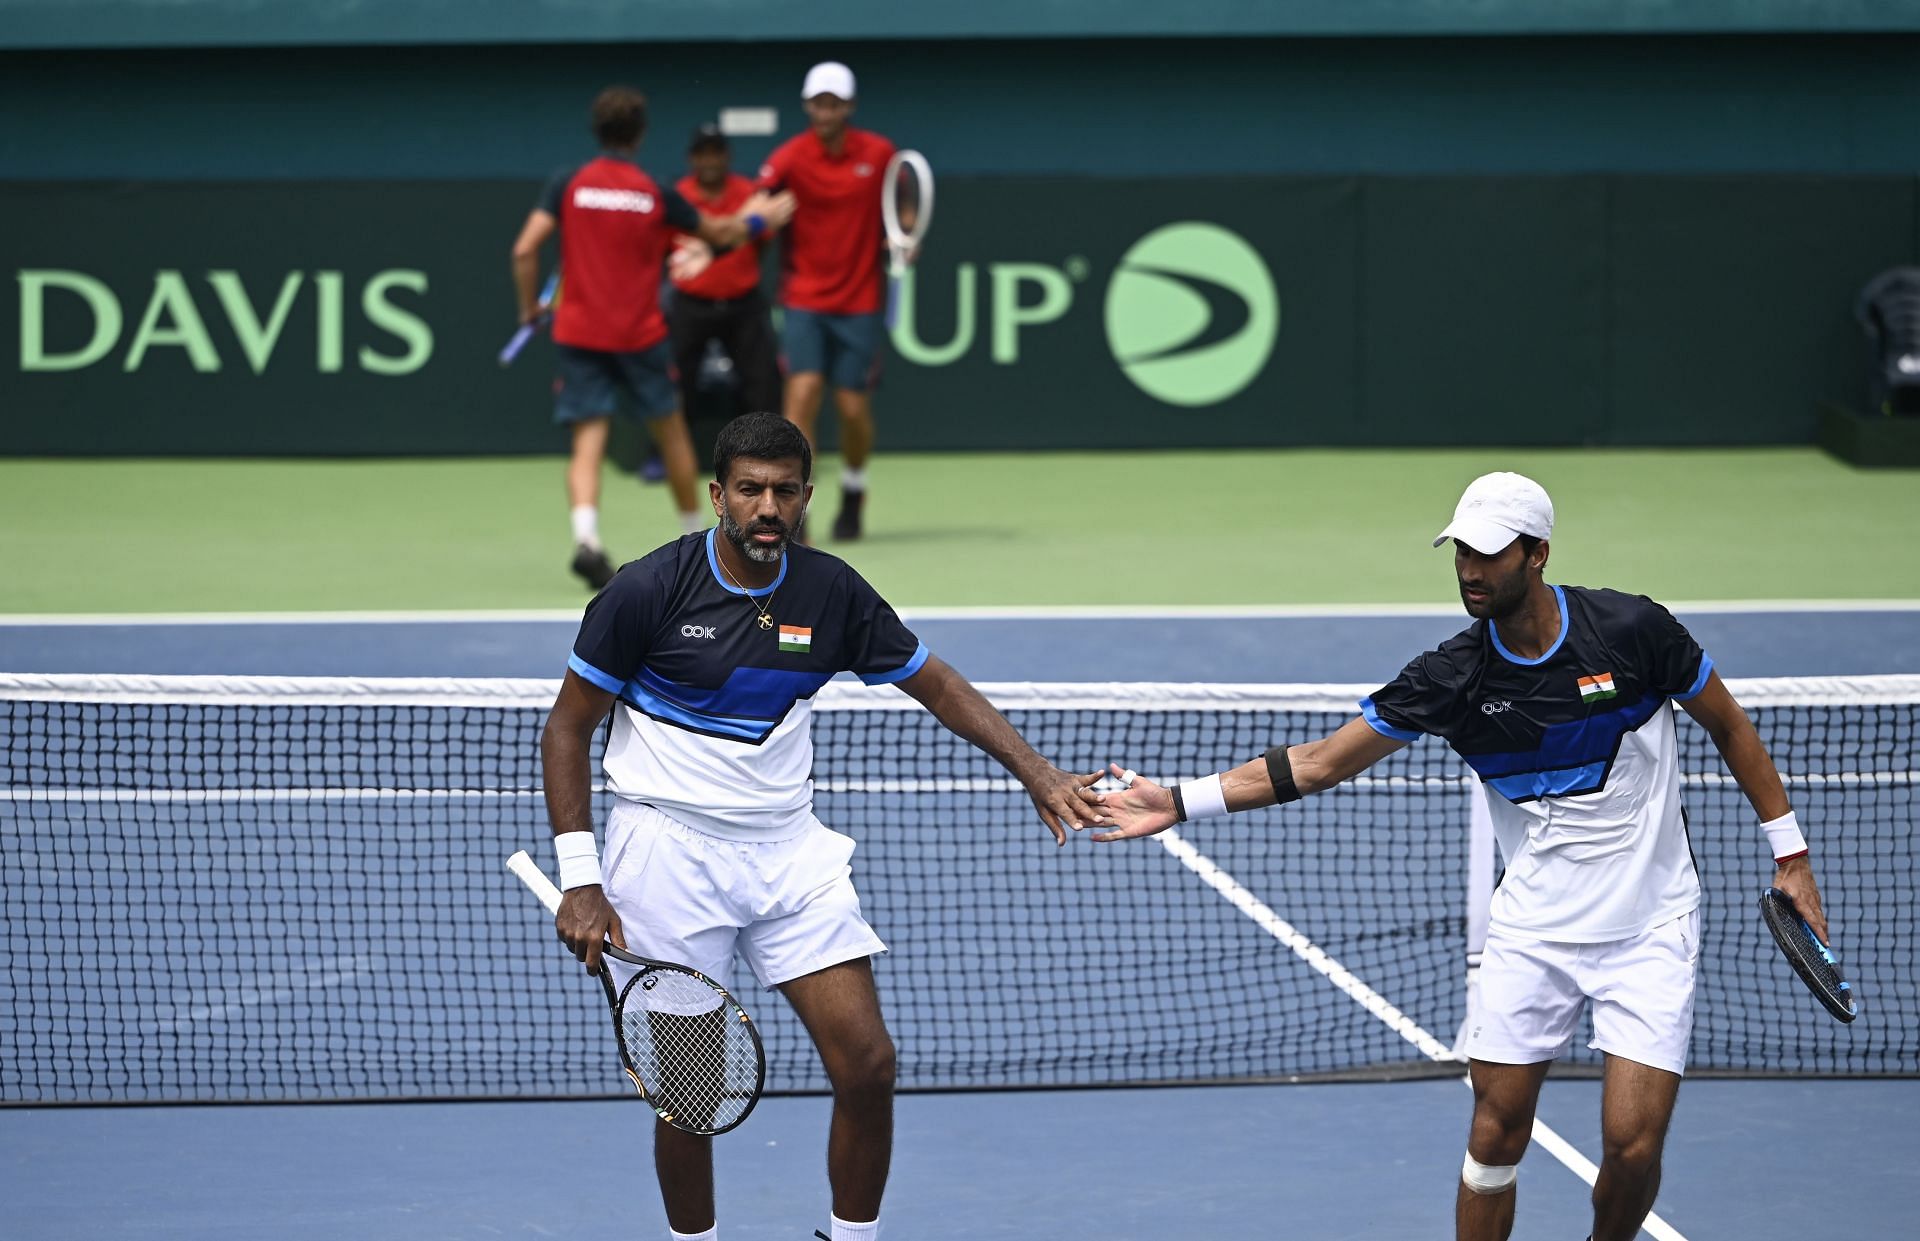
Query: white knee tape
[[1484, 1180]]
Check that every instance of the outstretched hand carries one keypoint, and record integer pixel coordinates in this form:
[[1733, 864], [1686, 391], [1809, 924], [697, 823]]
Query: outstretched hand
[[775, 209], [1140, 809], [690, 257], [1065, 800]]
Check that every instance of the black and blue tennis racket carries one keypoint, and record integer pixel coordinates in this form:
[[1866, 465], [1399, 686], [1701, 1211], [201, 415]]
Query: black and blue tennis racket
[[690, 1049], [525, 332], [1811, 959]]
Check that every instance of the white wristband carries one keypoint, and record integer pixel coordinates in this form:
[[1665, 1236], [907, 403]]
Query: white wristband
[[1203, 798], [579, 860], [1783, 834]]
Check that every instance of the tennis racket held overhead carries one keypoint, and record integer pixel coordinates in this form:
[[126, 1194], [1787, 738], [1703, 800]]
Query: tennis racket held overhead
[[688, 1046], [1812, 960], [906, 212]]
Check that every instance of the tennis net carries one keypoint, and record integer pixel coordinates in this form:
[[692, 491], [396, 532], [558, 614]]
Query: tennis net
[[293, 889]]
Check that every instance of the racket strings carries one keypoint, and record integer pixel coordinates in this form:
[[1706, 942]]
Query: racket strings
[[1811, 953], [692, 1049], [1810, 960]]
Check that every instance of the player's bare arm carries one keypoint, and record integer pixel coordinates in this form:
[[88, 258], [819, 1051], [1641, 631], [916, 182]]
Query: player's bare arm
[[1060, 797], [1144, 808], [585, 919], [1715, 710], [723, 232], [533, 236]]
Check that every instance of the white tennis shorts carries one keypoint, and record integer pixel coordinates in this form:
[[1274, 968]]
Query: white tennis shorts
[[1532, 992], [786, 906]]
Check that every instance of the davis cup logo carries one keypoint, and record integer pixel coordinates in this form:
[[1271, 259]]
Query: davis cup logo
[[1192, 314]]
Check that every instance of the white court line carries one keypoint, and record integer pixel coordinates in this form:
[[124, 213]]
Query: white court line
[[1035, 612], [1316, 957]]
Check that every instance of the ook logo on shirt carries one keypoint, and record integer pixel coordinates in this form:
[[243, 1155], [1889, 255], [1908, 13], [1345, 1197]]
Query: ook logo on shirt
[[698, 631]]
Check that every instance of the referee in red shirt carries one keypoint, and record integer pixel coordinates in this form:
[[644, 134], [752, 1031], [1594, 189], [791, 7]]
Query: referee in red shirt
[[831, 286], [616, 226], [724, 302]]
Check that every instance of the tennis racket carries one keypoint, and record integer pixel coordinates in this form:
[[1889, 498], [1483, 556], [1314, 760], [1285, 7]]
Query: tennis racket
[[690, 1049], [519, 339], [906, 211], [1810, 958]]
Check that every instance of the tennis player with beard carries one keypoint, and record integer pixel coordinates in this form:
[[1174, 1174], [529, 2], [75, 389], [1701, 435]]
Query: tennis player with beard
[[708, 653], [1557, 697]]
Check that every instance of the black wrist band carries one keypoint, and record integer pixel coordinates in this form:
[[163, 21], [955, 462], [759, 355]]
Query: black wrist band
[[1280, 772], [1179, 806]]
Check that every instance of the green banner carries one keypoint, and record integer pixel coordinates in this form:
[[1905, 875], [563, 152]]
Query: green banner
[[263, 319], [283, 318], [1127, 314]]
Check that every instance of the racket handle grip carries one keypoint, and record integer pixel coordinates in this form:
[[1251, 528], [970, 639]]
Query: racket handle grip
[[515, 344], [536, 880]]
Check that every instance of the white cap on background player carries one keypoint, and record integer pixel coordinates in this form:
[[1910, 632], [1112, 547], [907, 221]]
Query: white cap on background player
[[829, 77], [1497, 508]]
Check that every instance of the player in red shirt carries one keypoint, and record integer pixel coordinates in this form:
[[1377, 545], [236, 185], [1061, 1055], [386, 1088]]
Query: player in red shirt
[[616, 226], [724, 302], [831, 284]]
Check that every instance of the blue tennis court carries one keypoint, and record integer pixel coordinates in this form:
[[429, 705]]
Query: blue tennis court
[[1317, 1162], [1348, 1159]]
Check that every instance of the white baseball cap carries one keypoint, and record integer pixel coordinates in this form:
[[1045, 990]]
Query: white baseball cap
[[1497, 508], [829, 77]]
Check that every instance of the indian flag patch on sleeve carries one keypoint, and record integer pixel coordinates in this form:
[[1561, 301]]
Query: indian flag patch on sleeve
[[1592, 689], [800, 641]]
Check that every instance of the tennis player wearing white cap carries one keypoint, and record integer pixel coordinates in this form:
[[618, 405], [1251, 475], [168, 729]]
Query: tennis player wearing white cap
[[832, 286], [1557, 697]]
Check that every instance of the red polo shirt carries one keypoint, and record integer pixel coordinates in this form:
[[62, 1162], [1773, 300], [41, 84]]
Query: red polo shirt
[[737, 272], [831, 259], [615, 226]]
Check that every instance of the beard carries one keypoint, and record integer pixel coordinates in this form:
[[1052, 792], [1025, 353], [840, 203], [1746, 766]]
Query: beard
[[742, 536], [1504, 597]]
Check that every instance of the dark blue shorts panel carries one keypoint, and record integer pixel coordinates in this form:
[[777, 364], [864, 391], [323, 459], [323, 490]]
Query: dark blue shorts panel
[[844, 348], [595, 384]]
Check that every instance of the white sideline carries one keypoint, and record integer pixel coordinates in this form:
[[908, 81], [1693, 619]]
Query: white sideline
[[1273, 924]]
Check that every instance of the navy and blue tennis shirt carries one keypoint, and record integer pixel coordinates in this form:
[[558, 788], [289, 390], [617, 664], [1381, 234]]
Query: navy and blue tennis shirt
[[714, 719], [1577, 750]]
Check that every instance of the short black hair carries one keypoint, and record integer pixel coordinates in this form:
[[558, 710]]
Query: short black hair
[[761, 437], [1528, 543], [619, 117]]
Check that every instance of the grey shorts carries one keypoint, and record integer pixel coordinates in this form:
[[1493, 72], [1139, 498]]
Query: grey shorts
[[593, 383], [844, 348]]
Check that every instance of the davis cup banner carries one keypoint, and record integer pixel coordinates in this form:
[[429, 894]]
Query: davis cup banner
[[263, 318], [335, 318]]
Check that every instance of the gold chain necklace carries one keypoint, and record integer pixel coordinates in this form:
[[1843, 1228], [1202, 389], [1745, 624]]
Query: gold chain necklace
[[765, 614]]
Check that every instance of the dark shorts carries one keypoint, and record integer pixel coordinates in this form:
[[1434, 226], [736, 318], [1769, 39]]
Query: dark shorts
[[744, 328], [595, 384], [844, 348]]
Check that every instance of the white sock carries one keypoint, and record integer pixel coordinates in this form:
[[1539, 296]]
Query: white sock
[[693, 521], [711, 1234], [852, 479], [843, 1231], [586, 525]]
